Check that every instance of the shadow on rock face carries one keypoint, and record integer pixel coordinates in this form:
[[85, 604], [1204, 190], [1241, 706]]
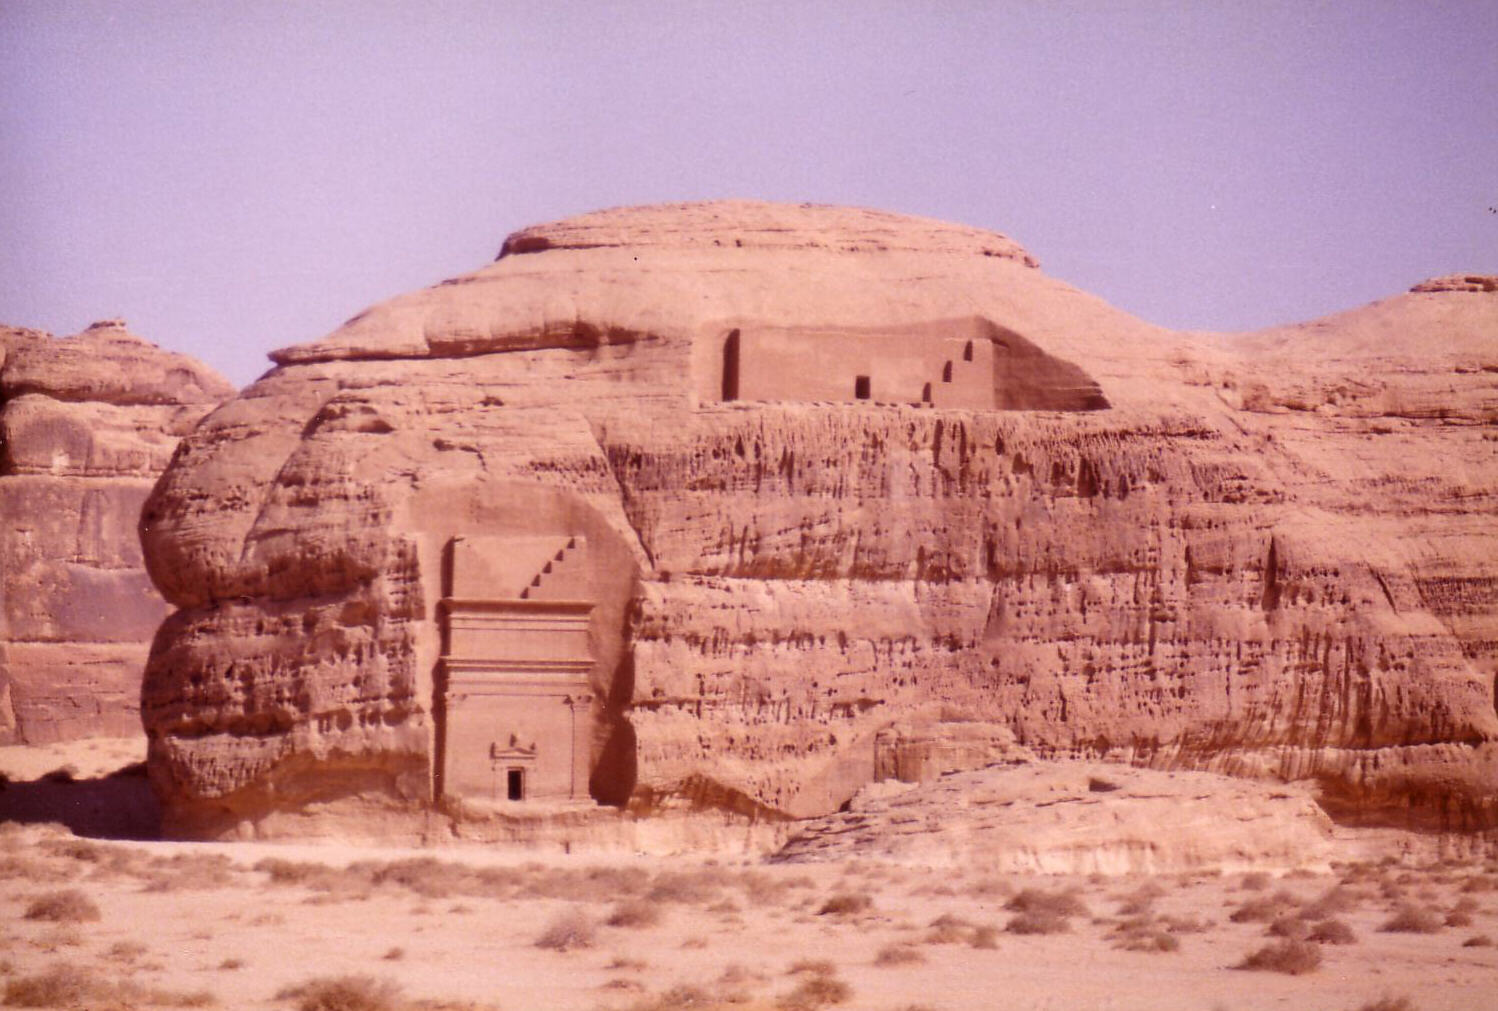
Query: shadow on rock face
[[118, 806]]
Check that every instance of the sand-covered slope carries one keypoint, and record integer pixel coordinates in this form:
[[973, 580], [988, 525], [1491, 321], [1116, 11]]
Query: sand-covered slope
[[1185, 551]]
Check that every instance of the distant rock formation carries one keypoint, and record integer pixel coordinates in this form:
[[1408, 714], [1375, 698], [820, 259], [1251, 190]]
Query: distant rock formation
[[1459, 282], [859, 494], [87, 423]]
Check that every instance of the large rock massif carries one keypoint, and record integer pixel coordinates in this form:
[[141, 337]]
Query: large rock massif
[[864, 496], [87, 424]]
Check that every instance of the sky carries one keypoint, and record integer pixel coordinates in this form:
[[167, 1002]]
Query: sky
[[233, 177]]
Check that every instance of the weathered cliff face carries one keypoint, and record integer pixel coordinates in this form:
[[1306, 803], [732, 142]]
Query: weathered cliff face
[[87, 423], [1270, 555]]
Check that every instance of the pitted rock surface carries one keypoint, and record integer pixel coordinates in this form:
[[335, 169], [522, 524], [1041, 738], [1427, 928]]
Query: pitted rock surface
[[1270, 555], [87, 423]]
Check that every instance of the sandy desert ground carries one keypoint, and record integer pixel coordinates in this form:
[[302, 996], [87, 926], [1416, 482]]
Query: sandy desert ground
[[97, 924]]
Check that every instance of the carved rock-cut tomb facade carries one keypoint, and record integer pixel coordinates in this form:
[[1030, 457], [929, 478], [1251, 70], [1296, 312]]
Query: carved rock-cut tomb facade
[[827, 495]]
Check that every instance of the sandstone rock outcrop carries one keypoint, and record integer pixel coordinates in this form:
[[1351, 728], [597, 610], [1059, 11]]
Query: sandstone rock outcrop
[[859, 493], [1077, 818], [87, 423]]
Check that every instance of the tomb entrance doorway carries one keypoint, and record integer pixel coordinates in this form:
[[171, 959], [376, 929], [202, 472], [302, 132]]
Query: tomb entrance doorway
[[514, 712]]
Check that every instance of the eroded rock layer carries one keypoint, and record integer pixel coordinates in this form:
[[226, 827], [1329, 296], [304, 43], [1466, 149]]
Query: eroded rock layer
[[860, 493], [1077, 818], [87, 423]]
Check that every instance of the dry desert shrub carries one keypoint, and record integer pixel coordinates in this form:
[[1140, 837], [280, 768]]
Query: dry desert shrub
[[678, 998], [67, 986], [846, 904], [688, 997], [984, 937], [1332, 932], [1293, 958], [1288, 926], [1039, 922], [567, 931], [1037, 900], [131, 995], [395, 954], [735, 974], [72, 849], [427, 877], [687, 887], [319, 877], [762, 889], [1338, 899], [949, 929], [1265, 909], [1184, 924], [1141, 900], [1458, 918], [61, 986], [1410, 919], [1043, 912], [344, 993], [1254, 882], [816, 990], [231, 964], [126, 951], [634, 913], [812, 966], [186, 871], [933, 891], [1478, 941], [622, 962], [1144, 933], [892, 955], [57, 938], [1388, 1002], [67, 905], [36, 871], [591, 884], [1150, 941], [1479, 883]]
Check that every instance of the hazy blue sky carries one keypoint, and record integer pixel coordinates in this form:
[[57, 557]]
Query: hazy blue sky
[[233, 177]]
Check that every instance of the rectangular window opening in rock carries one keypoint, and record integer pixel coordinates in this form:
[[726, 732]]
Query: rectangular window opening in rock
[[731, 366]]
